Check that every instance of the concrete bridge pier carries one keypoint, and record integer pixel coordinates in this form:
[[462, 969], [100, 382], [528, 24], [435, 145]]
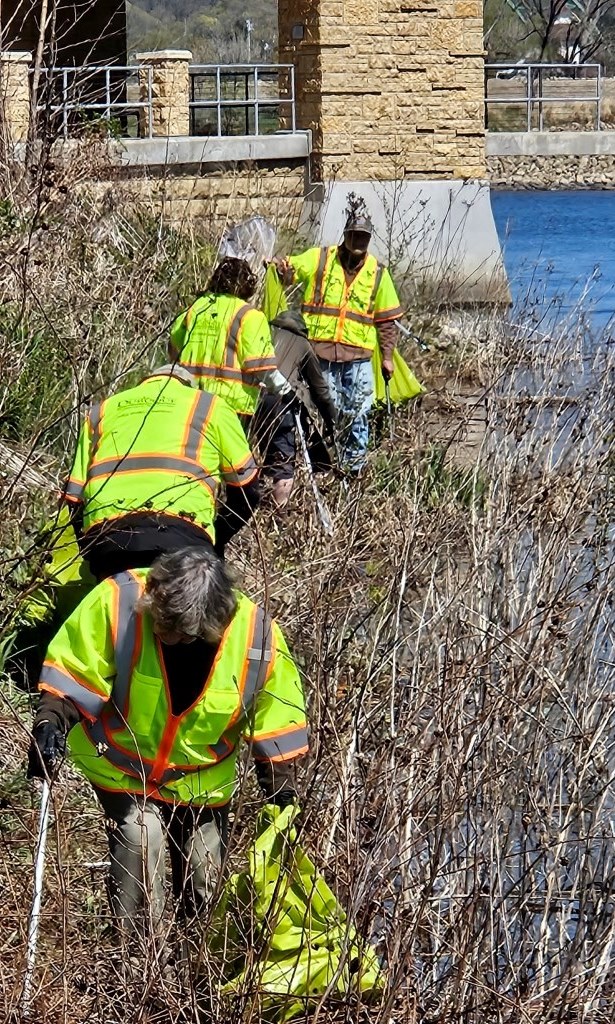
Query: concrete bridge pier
[[393, 95]]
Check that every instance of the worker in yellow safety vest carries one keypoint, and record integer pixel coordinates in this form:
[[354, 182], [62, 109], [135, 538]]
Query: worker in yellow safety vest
[[148, 469], [225, 342], [153, 682], [349, 305]]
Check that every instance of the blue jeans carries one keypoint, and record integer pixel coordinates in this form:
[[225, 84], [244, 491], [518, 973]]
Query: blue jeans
[[352, 390]]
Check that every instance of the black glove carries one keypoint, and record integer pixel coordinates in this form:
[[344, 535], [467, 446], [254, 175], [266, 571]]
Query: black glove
[[47, 748], [283, 799]]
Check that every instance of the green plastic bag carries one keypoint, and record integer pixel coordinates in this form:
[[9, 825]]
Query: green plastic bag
[[403, 384], [280, 931], [274, 298]]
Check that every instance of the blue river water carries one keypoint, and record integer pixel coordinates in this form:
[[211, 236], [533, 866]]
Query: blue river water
[[559, 252]]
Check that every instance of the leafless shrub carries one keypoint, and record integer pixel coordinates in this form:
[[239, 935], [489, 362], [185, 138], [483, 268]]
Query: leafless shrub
[[455, 636]]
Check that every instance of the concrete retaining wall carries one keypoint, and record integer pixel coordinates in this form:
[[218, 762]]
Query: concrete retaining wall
[[503, 144], [193, 181], [439, 233]]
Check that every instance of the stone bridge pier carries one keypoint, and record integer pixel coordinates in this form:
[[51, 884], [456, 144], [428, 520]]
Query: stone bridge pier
[[392, 91]]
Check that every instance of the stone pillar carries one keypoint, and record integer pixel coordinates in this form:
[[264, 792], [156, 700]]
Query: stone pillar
[[170, 91], [393, 93], [15, 94], [389, 89]]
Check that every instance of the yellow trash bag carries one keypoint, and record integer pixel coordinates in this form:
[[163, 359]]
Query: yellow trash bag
[[274, 298], [67, 578], [403, 384], [281, 932]]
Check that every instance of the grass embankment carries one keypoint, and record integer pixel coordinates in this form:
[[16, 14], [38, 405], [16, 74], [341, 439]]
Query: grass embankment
[[454, 635]]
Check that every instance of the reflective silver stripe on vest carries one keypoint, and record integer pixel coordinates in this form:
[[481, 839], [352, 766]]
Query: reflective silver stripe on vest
[[87, 700], [282, 746], [73, 489], [242, 475], [377, 280], [389, 314], [197, 423], [133, 463], [259, 363], [126, 762], [221, 373], [320, 310], [335, 311], [260, 654], [232, 338], [129, 591], [319, 281], [126, 637]]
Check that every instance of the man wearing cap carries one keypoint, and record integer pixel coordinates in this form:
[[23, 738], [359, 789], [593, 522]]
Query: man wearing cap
[[350, 305], [147, 473]]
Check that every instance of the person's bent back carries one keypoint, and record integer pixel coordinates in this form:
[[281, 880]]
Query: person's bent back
[[225, 342], [148, 468]]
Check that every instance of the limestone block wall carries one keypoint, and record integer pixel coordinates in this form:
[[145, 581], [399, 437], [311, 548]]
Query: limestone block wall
[[15, 95], [208, 193], [223, 195], [391, 90], [170, 86]]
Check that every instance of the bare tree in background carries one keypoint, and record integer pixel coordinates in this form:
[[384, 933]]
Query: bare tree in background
[[570, 31]]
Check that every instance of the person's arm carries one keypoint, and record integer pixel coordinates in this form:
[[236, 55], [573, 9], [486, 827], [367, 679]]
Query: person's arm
[[277, 726], [77, 677], [387, 310], [257, 354], [72, 491], [387, 339], [298, 268], [318, 387], [179, 334], [237, 509], [238, 471]]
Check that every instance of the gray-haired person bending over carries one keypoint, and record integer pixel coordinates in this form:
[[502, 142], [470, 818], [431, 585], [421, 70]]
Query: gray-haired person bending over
[[153, 683]]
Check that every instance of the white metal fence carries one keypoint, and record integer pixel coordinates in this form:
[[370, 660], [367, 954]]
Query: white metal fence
[[223, 100], [242, 99], [526, 96], [72, 101]]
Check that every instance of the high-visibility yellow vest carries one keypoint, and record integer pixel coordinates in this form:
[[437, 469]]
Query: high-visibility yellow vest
[[161, 447], [225, 343], [337, 312], [108, 662]]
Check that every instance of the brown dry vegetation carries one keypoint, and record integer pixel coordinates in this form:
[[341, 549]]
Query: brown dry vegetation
[[455, 637]]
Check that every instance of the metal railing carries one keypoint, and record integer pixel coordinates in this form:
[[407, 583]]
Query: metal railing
[[74, 100], [242, 99], [540, 86]]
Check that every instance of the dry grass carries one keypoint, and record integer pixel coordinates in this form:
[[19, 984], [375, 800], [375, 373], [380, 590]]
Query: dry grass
[[456, 641]]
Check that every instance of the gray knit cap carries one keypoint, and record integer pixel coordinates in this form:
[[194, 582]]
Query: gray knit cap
[[173, 370]]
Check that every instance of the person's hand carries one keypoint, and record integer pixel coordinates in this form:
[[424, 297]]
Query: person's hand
[[285, 270], [387, 370], [328, 434], [47, 748]]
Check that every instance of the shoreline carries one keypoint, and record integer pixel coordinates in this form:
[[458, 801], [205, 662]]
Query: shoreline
[[499, 186]]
